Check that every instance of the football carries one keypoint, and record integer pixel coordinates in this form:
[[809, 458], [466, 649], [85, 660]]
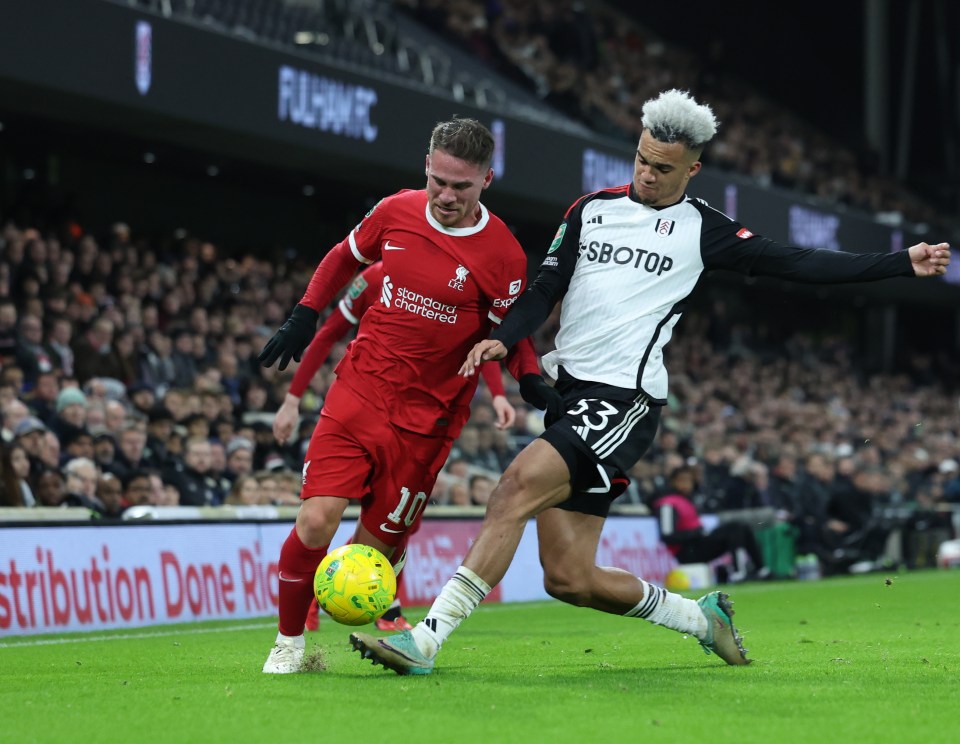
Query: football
[[355, 584]]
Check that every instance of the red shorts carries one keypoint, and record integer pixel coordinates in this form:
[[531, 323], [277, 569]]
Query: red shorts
[[357, 453]]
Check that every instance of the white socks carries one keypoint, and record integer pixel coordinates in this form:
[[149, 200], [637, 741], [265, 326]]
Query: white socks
[[661, 607], [462, 593], [459, 597]]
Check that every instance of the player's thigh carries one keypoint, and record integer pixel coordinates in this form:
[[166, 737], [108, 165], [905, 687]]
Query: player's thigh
[[338, 462], [568, 543], [537, 479]]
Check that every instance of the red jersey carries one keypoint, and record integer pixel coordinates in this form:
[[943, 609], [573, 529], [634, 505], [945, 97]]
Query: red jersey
[[442, 291], [363, 292]]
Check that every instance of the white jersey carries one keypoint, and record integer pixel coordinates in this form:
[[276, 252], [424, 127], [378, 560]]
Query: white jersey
[[624, 271], [635, 264]]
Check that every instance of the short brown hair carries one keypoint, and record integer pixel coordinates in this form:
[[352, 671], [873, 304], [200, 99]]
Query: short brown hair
[[466, 139]]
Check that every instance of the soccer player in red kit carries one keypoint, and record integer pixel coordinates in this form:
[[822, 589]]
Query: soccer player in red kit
[[451, 270], [363, 293]]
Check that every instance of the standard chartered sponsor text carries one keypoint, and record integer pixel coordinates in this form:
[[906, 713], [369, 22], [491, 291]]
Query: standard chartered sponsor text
[[425, 307]]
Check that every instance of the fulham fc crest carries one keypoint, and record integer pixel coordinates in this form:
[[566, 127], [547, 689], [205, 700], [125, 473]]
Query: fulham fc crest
[[664, 227], [143, 62]]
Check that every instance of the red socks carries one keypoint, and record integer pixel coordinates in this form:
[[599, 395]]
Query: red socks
[[297, 565]]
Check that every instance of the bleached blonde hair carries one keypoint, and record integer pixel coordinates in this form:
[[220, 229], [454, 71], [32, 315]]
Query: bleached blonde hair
[[676, 116]]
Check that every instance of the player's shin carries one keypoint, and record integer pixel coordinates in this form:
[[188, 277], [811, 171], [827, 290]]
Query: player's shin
[[459, 597], [297, 565], [670, 610]]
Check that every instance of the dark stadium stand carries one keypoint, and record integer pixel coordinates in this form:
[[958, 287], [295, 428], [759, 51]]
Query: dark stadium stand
[[592, 65], [372, 36]]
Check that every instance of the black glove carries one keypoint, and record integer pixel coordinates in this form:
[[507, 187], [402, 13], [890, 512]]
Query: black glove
[[535, 390], [292, 338]]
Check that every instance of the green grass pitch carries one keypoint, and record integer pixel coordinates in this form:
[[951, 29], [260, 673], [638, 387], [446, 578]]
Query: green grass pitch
[[863, 659]]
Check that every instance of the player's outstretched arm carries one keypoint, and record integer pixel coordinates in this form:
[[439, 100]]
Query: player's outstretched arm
[[930, 260], [485, 351]]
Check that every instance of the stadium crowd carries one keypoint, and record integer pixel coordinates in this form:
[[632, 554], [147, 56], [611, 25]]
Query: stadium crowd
[[598, 65], [129, 378], [129, 373]]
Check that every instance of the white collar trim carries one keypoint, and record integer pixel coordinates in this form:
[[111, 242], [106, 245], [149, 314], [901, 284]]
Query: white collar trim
[[459, 231]]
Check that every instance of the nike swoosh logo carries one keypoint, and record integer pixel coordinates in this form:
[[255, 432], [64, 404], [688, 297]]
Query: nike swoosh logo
[[292, 581], [386, 528], [387, 647], [388, 247]]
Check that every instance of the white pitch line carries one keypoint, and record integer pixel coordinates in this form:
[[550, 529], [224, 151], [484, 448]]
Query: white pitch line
[[495, 607], [135, 636]]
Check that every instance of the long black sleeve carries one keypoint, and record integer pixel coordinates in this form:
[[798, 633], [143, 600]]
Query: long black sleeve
[[531, 309], [827, 267], [726, 244]]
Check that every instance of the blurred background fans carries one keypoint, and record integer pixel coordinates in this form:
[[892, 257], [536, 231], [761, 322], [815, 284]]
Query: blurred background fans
[[173, 170]]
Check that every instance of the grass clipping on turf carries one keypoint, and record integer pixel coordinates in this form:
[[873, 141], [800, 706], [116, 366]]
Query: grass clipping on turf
[[315, 661]]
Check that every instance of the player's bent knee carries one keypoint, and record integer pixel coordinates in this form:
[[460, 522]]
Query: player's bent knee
[[566, 587], [318, 519], [509, 501], [311, 521], [517, 497]]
